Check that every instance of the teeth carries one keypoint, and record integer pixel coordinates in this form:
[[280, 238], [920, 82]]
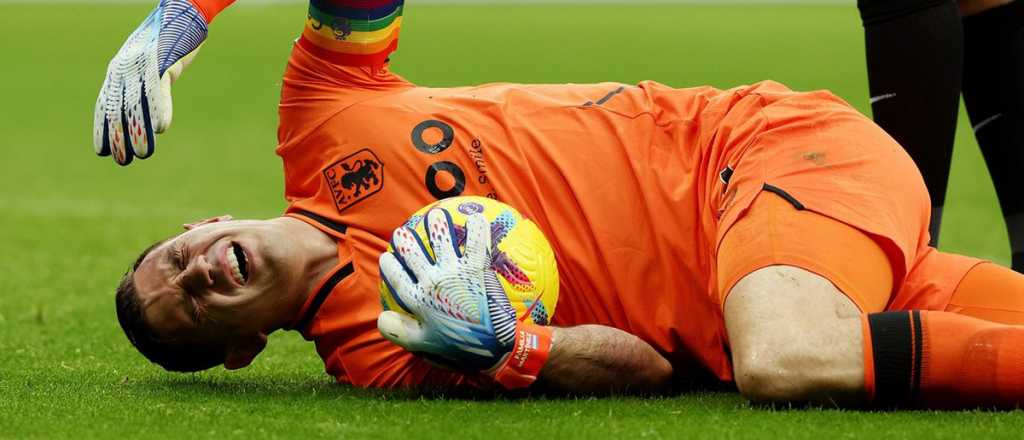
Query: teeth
[[233, 261]]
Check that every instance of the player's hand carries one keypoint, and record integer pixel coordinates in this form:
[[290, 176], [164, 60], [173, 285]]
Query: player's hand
[[135, 101], [462, 316], [463, 313]]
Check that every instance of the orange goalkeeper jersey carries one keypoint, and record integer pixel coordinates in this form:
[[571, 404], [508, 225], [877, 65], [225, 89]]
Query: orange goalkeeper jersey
[[628, 182], [624, 181]]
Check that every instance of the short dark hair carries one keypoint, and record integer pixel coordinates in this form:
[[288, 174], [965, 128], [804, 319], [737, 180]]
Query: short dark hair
[[171, 354]]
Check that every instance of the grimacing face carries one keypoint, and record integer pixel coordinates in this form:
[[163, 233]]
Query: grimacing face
[[223, 281]]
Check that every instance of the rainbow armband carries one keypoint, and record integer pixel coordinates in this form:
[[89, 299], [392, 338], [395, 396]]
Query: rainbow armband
[[353, 32]]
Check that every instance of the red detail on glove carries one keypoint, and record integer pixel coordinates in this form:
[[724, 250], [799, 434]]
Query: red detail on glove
[[210, 8], [522, 365]]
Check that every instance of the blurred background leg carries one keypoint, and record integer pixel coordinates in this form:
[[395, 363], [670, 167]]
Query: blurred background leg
[[915, 57], [994, 95]]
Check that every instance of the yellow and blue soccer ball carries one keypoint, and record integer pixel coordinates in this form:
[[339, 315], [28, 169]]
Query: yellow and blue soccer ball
[[520, 255]]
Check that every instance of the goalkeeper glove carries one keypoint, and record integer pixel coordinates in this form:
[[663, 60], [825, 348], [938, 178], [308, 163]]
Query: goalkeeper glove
[[461, 314], [135, 101]]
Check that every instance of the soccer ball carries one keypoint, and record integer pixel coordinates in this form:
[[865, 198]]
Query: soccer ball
[[520, 255]]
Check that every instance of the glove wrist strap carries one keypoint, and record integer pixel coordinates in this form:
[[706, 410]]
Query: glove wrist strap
[[522, 365]]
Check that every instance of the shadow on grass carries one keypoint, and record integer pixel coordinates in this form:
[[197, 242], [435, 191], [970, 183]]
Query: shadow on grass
[[248, 388], [291, 388], [255, 388]]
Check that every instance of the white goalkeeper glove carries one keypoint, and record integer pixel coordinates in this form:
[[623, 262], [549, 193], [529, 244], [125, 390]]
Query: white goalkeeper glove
[[135, 101], [462, 316]]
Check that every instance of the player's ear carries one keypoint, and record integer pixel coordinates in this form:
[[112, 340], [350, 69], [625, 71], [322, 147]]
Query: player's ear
[[221, 218], [241, 351]]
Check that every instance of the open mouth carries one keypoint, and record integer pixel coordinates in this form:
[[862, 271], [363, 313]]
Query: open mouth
[[239, 263]]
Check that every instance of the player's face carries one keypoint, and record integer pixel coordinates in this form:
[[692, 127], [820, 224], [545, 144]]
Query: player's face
[[220, 280]]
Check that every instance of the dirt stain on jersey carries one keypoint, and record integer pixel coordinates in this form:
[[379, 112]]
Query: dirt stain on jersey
[[817, 157]]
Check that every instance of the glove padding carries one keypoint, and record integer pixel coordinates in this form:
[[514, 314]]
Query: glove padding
[[462, 313], [135, 101], [461, 316]]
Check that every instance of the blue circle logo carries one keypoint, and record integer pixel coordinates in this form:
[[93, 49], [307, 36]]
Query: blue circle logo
[[470, 208]]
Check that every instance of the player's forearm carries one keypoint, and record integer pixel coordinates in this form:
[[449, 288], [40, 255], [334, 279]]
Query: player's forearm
[[599, 359], [353, 32]]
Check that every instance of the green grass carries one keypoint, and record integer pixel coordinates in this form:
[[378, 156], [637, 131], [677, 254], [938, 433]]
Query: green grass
[[73, 222]]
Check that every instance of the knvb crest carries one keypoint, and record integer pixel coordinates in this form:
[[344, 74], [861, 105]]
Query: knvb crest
[[354, 178]]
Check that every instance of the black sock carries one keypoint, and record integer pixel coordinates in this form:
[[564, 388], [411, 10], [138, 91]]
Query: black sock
[[897, 342], [915, 56], [994, 95]]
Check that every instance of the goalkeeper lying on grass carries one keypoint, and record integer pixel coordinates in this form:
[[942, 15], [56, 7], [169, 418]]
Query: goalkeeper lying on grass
[[771, 238]]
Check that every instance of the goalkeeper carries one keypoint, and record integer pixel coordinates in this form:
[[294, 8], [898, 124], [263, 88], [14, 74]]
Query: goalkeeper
[[761, 236]]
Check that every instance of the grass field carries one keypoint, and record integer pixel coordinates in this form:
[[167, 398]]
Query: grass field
[[73, 222]]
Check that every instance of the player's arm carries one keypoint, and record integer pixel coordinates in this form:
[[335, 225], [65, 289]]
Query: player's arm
[[360, 33], [597, 359], [590, 359], [463, 319], [134, 103]]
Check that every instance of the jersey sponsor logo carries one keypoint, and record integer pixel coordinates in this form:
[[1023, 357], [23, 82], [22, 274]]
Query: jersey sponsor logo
[[444, 178], [354, 178], [454, 173], [447, 136]]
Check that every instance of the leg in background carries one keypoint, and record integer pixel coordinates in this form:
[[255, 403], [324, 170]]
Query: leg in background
[[916, 99], [994, 94]]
